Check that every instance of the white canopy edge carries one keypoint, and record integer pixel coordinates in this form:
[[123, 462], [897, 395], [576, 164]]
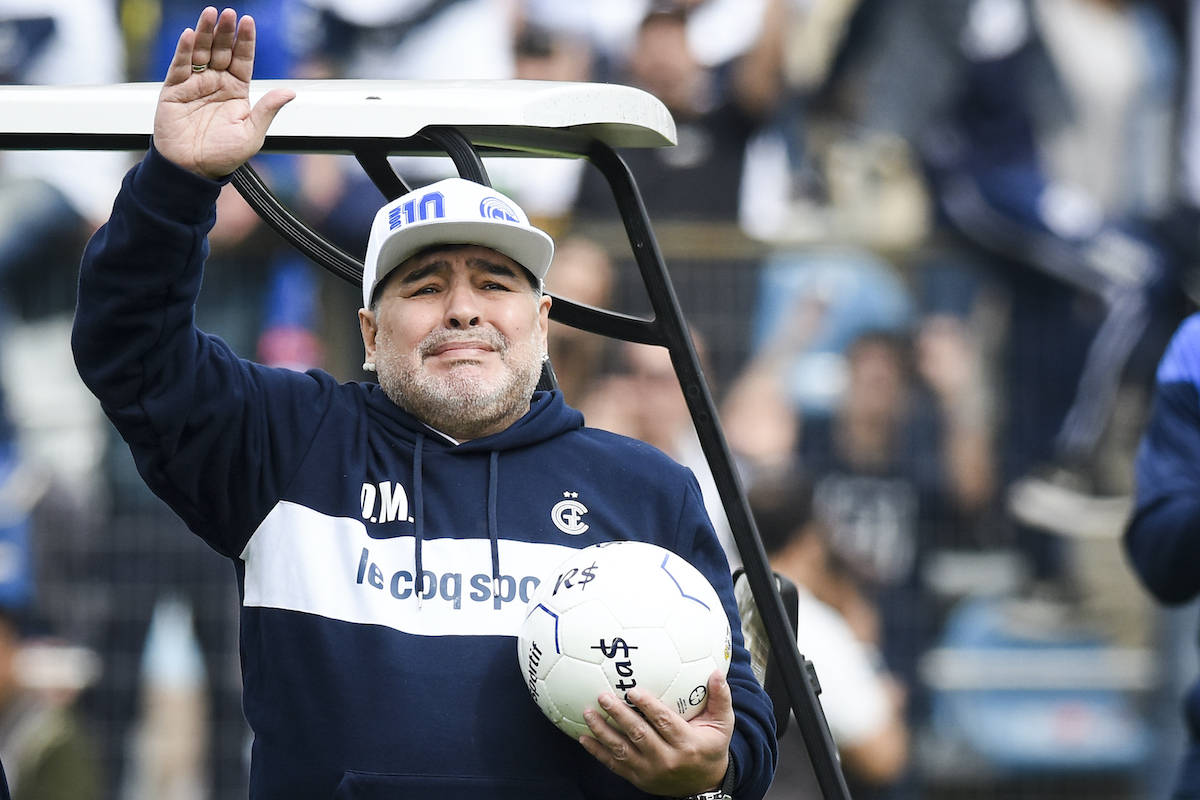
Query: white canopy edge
[[557, 116]]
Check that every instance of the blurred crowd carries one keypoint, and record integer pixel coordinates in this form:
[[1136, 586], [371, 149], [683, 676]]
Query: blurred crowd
[[930, 252]]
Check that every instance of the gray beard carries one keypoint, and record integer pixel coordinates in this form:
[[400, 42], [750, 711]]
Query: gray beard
[[459, 406]]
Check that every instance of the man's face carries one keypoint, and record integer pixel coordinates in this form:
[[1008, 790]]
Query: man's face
[[457, 338], [663, 65]]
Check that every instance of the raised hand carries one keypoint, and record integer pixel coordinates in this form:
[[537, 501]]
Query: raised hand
[[204, 121]]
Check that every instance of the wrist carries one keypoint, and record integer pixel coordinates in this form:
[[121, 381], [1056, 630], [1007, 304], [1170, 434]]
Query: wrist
[[722, 792], [172, 191]]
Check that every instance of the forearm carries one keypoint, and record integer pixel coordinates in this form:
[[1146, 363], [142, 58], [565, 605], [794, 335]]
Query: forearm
[[967, 456], [881, 758], [1163, 542], [758, 73], [139, 279], [181, 400]]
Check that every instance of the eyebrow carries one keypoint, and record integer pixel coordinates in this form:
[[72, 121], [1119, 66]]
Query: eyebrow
[[440, 265], [421, 273]]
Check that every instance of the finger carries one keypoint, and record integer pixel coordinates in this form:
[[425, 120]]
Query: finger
[[602, 754], [180, 68], [223, 40], [205, 26], [241, 64], [625, 719], [609, 746], [606, 735], [657, 715]]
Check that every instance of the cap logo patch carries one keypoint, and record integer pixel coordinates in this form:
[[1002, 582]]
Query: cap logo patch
[[429, 206], [495, 208]]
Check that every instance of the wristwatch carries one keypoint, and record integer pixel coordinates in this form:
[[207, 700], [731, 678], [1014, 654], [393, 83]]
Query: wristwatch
[[723, 793]]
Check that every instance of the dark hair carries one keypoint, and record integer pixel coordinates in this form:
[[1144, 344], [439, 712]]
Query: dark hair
[[781, 504], [534, 41], [900, 343]]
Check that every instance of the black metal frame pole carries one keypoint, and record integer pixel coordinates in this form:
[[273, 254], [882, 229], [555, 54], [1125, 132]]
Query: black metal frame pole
[[669, 323]]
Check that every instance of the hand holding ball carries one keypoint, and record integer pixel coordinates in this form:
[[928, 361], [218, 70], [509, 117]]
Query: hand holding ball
[[618, 615]]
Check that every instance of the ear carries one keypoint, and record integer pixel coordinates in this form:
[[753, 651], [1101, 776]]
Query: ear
[[544, 303], [367, 324]]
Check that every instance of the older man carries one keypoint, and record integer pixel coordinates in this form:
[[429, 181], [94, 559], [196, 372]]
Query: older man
[[385, 537]]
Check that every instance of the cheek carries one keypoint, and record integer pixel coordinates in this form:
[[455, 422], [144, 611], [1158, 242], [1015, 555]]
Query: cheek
[[403, 331], [393, 345], [536, 336], [519, 327]]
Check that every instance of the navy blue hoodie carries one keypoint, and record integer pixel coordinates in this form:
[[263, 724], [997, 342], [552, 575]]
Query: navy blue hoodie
[[383, 569]]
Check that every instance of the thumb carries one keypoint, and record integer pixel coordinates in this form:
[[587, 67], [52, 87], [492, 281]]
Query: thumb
[[268, 106], [719, 708]]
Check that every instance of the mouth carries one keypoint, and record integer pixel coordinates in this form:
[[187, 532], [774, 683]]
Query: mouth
[[460, 349], [453, 349]]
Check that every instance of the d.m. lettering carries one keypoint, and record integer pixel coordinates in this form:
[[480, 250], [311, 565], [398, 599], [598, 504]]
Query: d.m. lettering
[[384, 502]]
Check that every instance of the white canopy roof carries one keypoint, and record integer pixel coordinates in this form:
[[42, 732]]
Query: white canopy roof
[[538, 116]]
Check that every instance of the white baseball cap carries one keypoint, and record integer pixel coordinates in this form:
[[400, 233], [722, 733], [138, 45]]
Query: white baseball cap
[[452, 211]]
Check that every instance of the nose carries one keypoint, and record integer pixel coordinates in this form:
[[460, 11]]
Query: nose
[[462, 307]]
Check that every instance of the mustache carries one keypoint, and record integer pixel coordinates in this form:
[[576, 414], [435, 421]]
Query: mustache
[[492, 338]]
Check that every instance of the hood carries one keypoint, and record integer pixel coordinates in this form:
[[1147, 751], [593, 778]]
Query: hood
[[548, 416]]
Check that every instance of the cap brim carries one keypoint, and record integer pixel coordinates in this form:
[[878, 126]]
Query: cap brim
[[531, 248]]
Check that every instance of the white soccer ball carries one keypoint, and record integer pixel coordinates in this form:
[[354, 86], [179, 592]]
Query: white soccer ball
[[618, 615]]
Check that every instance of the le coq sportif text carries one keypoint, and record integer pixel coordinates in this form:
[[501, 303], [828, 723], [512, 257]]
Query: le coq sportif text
[[452, 587]]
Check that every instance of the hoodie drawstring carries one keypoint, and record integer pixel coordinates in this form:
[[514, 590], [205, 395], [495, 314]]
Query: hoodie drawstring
[[418, 517], [493, 525]]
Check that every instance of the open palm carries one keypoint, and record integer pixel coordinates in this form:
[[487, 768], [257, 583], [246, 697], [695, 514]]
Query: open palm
[[204, 121]]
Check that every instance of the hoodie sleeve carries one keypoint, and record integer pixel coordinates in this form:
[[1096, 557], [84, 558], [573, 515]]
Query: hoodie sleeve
[[195, 416], [753, 750], [1163, 536]]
